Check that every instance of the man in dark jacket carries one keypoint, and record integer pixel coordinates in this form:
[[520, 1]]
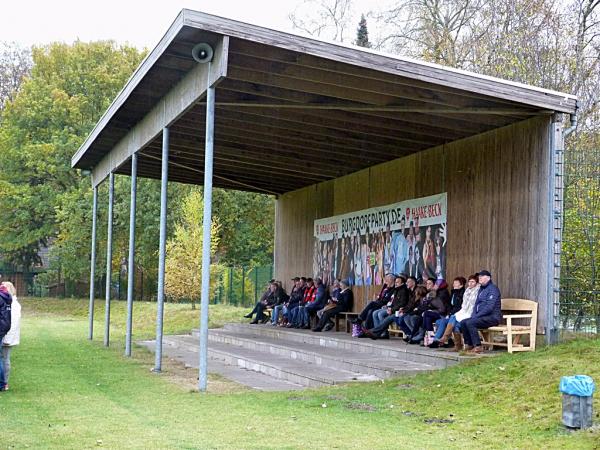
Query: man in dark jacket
[[5, 322], [365, 317], [487, 312], [343, 302], [385, 316]]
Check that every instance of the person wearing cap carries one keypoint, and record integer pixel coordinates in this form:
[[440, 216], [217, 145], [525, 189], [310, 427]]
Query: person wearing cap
[[280, 306], [343, 302], [487, 312]]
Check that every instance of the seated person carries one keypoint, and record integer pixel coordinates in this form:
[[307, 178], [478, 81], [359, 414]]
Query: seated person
[[400, 299], [365, 317], [312, 306], [408, 318], [335, 291], [296, 297], [297, 312], [341, 303], [487, 312], [261, 304], [280, 308], [449, 326], [439, 307]]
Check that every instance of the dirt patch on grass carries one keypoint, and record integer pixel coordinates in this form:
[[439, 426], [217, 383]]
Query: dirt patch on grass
[[361, 406], [177, 372]]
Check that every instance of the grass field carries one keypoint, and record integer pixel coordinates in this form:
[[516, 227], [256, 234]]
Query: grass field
[[68, 392]]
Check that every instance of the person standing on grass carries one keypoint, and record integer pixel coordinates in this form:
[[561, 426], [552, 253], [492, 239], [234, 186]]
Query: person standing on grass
[[5, 325], [12, 338]]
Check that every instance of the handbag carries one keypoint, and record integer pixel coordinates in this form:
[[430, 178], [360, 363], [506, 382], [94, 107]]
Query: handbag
[[356, 330]]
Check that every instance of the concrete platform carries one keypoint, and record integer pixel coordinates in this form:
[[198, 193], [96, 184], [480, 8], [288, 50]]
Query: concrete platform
[[271, 358]]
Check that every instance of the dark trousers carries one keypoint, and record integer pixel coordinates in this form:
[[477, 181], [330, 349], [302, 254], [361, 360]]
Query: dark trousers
[[327, 315], [429, 318], [366, 314], [470, 326], [258, 309]]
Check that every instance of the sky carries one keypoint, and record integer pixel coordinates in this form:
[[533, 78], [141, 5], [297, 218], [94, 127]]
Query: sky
[[136, 22]]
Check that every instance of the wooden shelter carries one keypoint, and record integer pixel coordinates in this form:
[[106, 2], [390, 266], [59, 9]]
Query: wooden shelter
[[331, 129]]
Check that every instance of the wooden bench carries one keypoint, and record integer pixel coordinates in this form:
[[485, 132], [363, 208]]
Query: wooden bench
[[522, 309], [346, 317]]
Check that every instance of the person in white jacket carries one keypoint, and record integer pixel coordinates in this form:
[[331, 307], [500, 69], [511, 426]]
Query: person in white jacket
[[13, 336], [451, 325]]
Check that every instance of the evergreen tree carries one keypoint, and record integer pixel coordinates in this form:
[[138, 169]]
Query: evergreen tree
[[362, 34]]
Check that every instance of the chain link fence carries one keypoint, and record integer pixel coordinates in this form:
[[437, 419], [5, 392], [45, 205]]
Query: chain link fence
[[579, 311], [242, 286]]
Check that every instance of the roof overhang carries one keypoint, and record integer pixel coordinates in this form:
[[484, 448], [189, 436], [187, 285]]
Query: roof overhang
[[290, 110]]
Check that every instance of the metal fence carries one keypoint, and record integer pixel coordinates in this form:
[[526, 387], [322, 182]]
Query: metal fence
[[242, 286], [579, 311]]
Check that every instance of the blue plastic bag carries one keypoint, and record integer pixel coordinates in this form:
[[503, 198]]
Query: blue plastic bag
[[579, 385]]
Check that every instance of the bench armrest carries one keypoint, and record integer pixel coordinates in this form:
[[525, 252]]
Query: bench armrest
[[517, 316]]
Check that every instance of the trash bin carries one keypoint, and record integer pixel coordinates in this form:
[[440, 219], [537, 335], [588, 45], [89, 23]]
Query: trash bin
[[577, 401]]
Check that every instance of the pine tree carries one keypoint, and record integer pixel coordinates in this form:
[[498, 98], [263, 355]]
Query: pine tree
[[362, 34]]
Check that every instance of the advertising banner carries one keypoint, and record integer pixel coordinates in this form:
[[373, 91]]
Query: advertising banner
[[407, 237]]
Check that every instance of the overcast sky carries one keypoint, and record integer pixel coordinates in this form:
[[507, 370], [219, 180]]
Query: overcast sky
[[140, 23]]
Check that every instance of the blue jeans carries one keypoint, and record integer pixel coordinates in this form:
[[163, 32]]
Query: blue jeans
[[443, 323], [277, 309], [295, 315], [379, 315], [306, 312], [2, 375]]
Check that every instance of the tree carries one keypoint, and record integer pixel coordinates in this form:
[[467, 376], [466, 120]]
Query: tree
[[15, 65], [362, 34], [328, 19], [69, 88], [183, 267]]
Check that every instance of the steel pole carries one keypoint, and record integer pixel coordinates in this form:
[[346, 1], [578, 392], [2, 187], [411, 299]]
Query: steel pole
[[162, 249], [555, 213], [111, 193], [93, 263], [206, 226], [131, 260]]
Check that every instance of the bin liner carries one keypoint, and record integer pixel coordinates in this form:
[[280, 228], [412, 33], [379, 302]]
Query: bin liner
[[579, 385]]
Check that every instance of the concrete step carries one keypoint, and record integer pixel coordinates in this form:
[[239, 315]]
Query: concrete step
[[361, 363], [393, 348], [249, 378], [276, 366]]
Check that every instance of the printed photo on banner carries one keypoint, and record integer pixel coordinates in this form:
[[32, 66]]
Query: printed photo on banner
[[407, 237]]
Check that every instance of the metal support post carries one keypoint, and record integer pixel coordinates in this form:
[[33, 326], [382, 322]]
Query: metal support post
[[93, 263], [555, 211], [206, 226], [162, 249], [131, 257], [109, 236]]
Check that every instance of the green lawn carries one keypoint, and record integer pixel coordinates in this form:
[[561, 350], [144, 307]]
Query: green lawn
[[68, 392]]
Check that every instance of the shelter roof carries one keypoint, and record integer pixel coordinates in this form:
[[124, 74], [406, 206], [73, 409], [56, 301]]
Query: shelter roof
[[293, 111]]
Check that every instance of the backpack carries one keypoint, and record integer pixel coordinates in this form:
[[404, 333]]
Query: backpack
[[5, 313]]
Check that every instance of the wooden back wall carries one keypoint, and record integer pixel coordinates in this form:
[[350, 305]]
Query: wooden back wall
[[497, 185]]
